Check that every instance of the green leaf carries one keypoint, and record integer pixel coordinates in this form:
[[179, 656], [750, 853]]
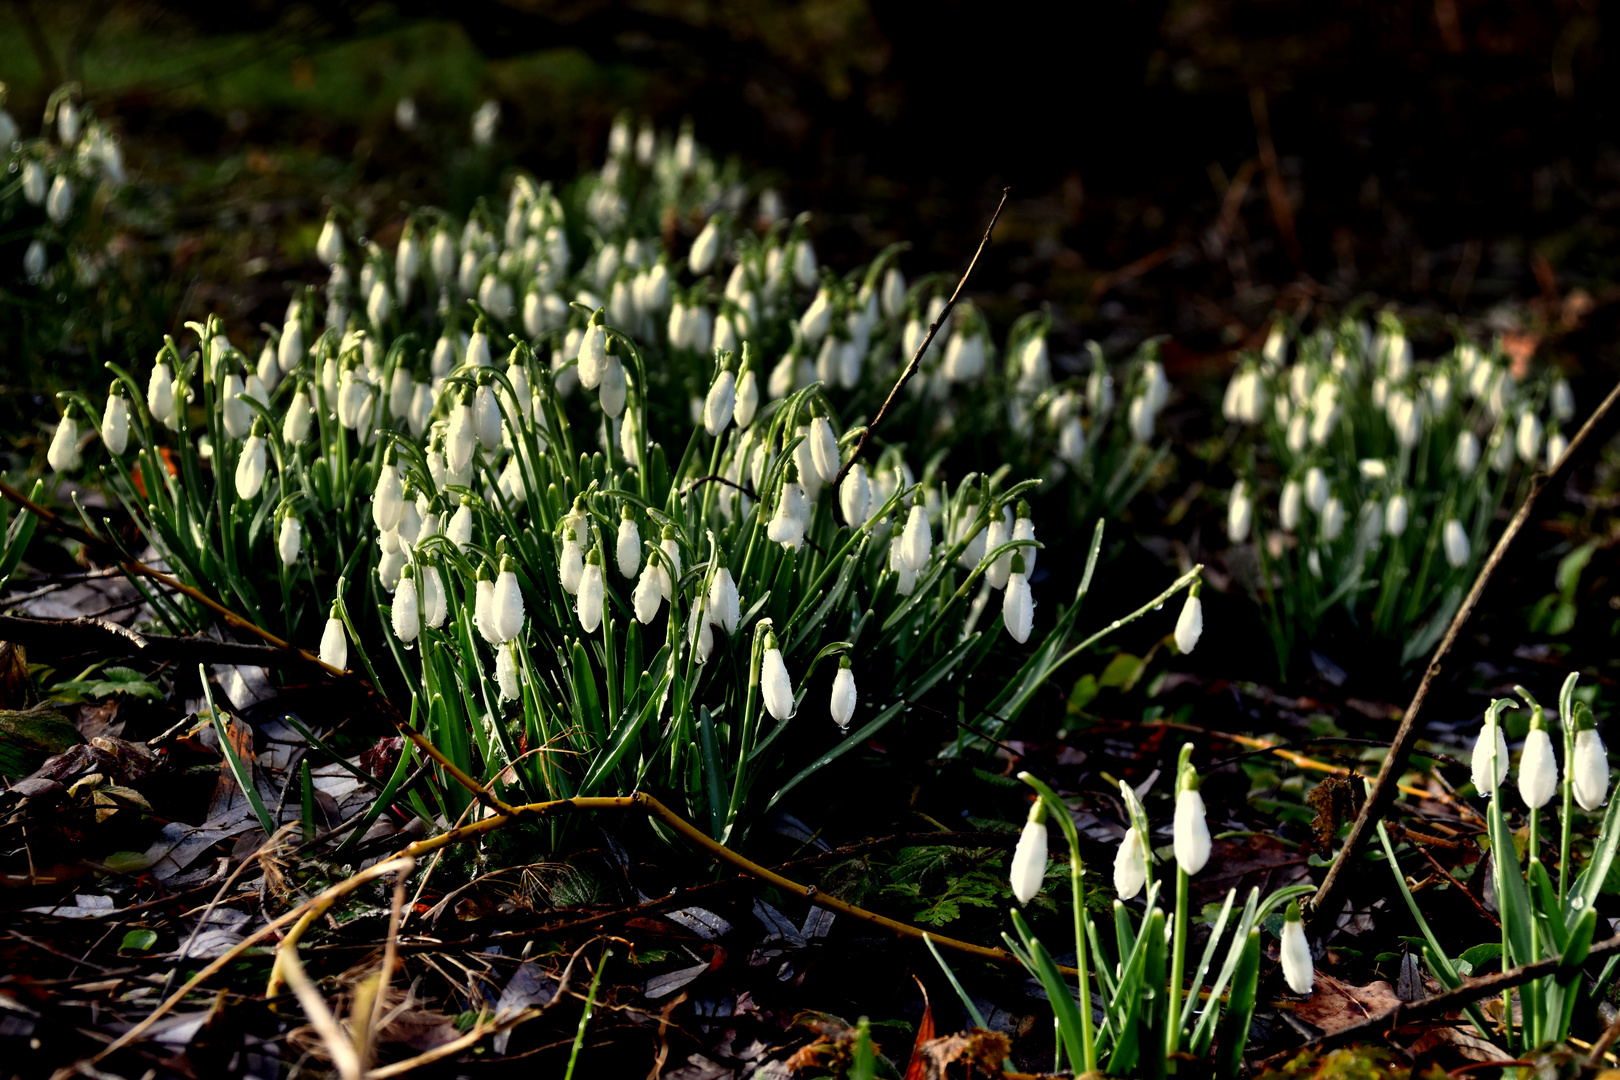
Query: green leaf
[[1122, 671], [138, 941]]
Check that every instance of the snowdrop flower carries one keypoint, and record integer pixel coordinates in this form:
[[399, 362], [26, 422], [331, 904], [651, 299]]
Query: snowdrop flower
[[1467, 452], [33, 180], [63, 455], [747, 403], [1395, 517], [1239, 513], [792, 515], [614, 388], [1332, 519], [160, 397], [774, 682], [1024, 529], [296, 424], [59, 203], [1029, 857], [1288, 506], [1316, 489], [725, 606], [506, 618], [1590, 771], [290, 347], [627, 549], [407, 609], [1455, 541], [721, 402], [487, 417], [844, 696], [1489, 764], [592, 353], [824, 449], [1017, 605], [1190, 623], [34, 259], [1529, 437], [1298, 969], [1191, 829], [459, 531], [334, 643], [700, 632], [290, 539], [804, 264], [463, 435], [817, 318], [115, 420], [329, 248], [855, 496], [917, 542], [648, 594], [506, 672], [251, 466], [484, 607], [705, 249], [379, 303], [1538, 768], [388, 498], [1130, 865], [1140, 418], [1034, 365], [434, 606], [995, 536], [898, 566], [1561, 401]]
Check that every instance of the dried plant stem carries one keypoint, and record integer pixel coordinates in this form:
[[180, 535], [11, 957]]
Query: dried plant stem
[[1587, 440]]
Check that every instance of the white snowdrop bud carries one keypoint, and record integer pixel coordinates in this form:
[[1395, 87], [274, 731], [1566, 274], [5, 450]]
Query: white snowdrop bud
[[160, 400], [804, 264], [1029, 857], [1467, 453], [484, 607], [1130, 865], [792, 515], [592, 354], [421, 410], [507, 617], [477, 354], [1017, 603], [899, 567], [719, 406], [588, 601], [995, 536], [648, 594], [700, 632], [1395, 517], [115, 422], [1590, 770], [459, 531], [1316, 489], [63, 454], [334, 643], [435, 607], [1372, 524], [59, 203], [1239, 513], [1332, 519], [1190, 623], [401, 392], [407, 609], [1024, 529], [705, 249], [1489, 765], [463, 434], [774, 682], [1191, 829], [1529, 437], [1034, 365], [817, 318], [724, 606], [669, 568], [290, 540], [1538, 768], [614, 388], [379, 304], [1455, 541], [388, 498], [627, 549], [917, 542], [34, 262], [1298, 433], [1288, 506], [487, 417], [329, 248], [824, 449], [296, 424], [266, 377], [855, 497], [251, 467], [747, 398], [844, 696], [290, 347], [1298, 968], [506, 671], [33, 179]]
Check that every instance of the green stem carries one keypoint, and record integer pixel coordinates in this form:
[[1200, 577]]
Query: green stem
[[1178, 966]]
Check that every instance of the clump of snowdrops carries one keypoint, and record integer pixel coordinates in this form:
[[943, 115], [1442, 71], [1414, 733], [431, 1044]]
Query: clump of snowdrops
[[53, 191], [1368, 482], [541, 477]]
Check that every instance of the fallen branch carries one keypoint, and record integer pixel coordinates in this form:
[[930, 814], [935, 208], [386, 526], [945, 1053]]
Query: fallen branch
[[86, 634], [1592, 435], [1440, 1005], [922, 350]]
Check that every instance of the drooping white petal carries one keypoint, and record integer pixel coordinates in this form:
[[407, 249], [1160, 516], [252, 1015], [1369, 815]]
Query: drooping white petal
[[775, 685], [1591, 770], [588, 604], [407, 611], [1490, 748], [289, 540], [1130, 865], [1538, 769], [335, 645], [507, 616], [1018, 608], [917, 542], [1298, 969], [1029, 861], [1191, 832], [63, 455], [1190, 624]]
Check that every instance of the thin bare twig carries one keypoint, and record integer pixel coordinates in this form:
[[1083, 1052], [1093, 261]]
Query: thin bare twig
[[1593, 434], [911, 368], [748, 491], [88, 634]]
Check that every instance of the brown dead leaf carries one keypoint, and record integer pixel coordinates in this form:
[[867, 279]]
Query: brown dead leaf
[[979, 1050], [1335, 1005], [917, 1069], [1466, 1044], [1335, 801], [1255, 861]]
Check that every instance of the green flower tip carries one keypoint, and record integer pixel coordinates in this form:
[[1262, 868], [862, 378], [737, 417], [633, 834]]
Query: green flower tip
[[628, 513], [1022, 510], [1292, 914], [669, 532], [1017, 564], [508, 565], [1584, 720], [593, 557], [843, 662]]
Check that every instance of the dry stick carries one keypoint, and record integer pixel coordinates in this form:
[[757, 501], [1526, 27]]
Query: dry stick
[[1591, 436], [911, 368], [1441, 1005], [133, 566], [87, 634]]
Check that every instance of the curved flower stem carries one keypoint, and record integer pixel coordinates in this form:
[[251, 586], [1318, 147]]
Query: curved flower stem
[[1057, 809]]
